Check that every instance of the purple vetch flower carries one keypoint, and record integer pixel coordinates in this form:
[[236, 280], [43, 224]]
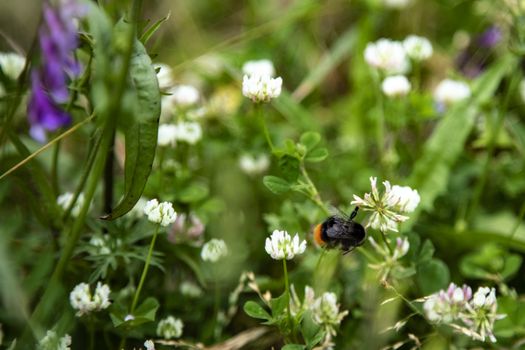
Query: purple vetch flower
[[49, 81], [43, 112]]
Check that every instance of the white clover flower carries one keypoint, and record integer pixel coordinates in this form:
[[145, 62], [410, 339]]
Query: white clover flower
[[404, 199], [385, 208], [261, 88], [213, 250], [446, 306], [164, 76], [481, 314], [162, 213], [388, 56], [167, 135], [190, 132], [184, 95], [450, 91], [280, 245], [170, 328], [65, 199], [396, 86], [253, 165], [81, 299], [262, 67], [396, 4], [51, 341], [325, 312], [12, 64], [417, 48], [149, 345]]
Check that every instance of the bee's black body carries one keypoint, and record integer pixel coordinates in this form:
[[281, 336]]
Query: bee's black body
[[338, 230]]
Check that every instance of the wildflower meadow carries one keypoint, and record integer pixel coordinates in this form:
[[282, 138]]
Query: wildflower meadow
[[296, 175]]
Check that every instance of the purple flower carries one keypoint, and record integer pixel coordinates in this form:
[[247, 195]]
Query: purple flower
[[43, 112], [490, 37], [49, 82]]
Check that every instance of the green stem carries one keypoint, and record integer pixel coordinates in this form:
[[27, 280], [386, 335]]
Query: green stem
[[287, 289], [54, 169], [145, 270], [383, 236], [261, 115]]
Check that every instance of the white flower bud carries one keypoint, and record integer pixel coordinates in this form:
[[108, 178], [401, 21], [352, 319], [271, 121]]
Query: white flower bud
[[450, 91], [417, 47], [170, 328], [214, 250], [261, 88]]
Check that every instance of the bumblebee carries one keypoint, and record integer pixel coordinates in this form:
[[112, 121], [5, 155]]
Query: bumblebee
[[341, 231]]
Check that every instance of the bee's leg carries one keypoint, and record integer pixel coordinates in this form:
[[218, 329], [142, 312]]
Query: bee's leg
[[354, 213], [347, 250]]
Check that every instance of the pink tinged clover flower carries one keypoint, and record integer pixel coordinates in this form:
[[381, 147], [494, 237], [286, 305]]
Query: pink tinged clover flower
[[386, 208]]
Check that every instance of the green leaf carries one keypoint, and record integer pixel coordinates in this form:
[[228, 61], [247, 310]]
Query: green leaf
[[144, 313], [255, 310], [317, 155], [289, 168], [310, 139], [141, 130], [432, 275], [279, 305], [312, 332], [293, 347], [440, 152], [276, 184], [152, 29]]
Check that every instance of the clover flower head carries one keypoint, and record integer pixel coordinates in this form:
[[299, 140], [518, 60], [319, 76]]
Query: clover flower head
[[253, 165], [82, 300], [12, 64], [325, 312], [170, 328], [149, 345], [297, 305], [451, 91], [417, 48], [280, 245], [51, 341], [387, 55], [404, 199], [445, 306], [65, 199], [385, 208], [396, 86], [262, 67], [214, 250], [162, 213], [261, 88], [481, 314]]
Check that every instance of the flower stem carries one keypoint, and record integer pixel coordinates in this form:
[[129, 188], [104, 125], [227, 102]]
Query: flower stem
[[261, 115], [287, 289], [145, 270], [386, 242]]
